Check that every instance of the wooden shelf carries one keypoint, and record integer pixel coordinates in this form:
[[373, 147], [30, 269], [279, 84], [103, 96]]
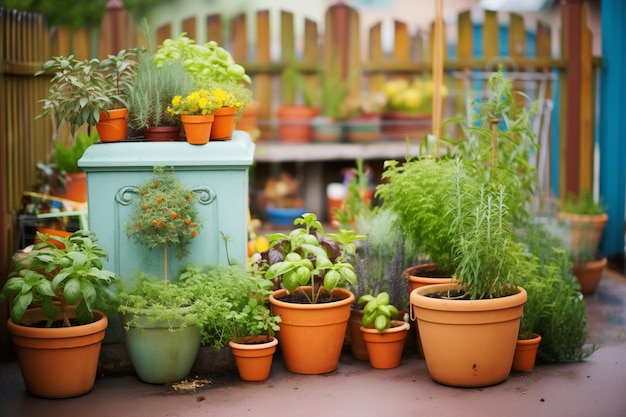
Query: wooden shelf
[[316, 151]]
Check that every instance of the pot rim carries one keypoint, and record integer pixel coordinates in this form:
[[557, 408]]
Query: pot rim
[[275, 299]]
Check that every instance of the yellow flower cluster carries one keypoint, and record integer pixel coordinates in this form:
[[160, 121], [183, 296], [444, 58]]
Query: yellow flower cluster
[[202, 102]]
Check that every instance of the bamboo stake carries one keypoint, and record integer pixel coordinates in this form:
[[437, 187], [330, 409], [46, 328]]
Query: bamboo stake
[[437, 72]]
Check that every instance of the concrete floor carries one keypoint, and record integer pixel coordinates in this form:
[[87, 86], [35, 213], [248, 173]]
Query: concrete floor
[[594, 388]]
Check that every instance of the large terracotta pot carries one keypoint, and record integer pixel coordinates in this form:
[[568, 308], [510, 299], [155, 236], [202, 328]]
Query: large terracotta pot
[[420, 276], [385, 348], [197, 128], [161, 352], [589, 275], [467, 343], [254, 357], [586, 230], [113, 127], [223, 123], [311, 335], [58, 362], [295, 123], [526, 353]]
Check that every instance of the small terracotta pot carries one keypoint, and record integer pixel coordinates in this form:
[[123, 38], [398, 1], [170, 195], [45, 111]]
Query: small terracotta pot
[[197, 128], [311, 335], [589, 275], [385, 348], [162, 133], [294, 123], [254, 356], [112, 127], [526, 353], [223, 123]]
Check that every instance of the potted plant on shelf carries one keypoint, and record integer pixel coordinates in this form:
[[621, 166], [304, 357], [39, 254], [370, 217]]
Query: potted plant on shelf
[[150, 95], [211, 67], [585, 220], [296, 111], [328, 124], [198, 110], [408, 110], [53, 293], [383, 333], [91, 92], [311, 267], [364, 116], [160, 316]]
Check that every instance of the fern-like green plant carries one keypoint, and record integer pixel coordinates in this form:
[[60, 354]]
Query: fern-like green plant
[[416, 192], [490, 261]]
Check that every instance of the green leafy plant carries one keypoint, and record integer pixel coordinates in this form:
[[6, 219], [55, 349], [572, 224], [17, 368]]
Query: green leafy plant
[[417, 192], [498, 143], [583, 203], [66, 157], [309, 256], [81, 89], [153, 90], [378, 311], [57, 277], [554, 308], [209, 65]]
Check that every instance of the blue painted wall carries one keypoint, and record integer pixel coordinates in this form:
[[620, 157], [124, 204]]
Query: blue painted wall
[[612, 130]]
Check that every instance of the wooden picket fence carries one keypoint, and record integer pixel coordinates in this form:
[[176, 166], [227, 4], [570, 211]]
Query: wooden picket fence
[[27, 42]]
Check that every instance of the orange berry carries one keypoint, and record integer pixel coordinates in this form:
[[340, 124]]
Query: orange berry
[[193, 225], [144, 207], [180, 216], [155, 223], [163, 224], [189, 197], [160, 200], [137, 225], [194, 233], [173, 215], [187, 221]]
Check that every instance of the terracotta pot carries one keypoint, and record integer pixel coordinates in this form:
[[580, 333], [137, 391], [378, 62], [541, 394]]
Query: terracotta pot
[[311, 335], [223, 123], [467, 343], [52, 232], [248, 120], [364, 128], [399, 125], [586, 230], [526, 353], [162, 133], [589, 275], [294, 123], [254, 357], [75, 188], [197, 128], [357, 343], [420, 276], [385, 348], [112, 127], [58, 362]]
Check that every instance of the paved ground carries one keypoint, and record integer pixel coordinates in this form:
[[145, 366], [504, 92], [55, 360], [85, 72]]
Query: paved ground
[[595, 388]]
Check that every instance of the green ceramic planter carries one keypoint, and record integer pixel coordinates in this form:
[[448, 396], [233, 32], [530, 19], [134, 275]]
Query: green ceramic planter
[[160, 355]]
